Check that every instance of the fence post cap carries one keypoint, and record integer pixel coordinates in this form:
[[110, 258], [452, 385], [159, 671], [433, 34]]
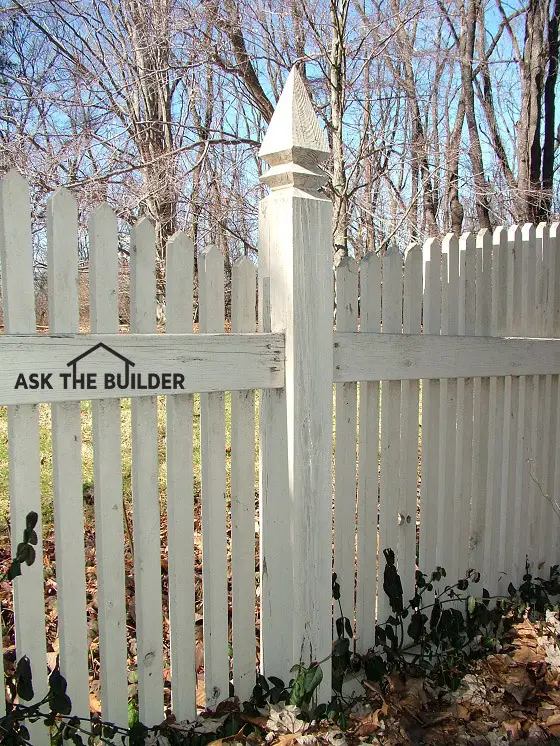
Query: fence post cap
[[294, 144]]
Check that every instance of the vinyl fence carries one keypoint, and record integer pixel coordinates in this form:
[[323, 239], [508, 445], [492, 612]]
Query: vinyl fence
[[446, 434]]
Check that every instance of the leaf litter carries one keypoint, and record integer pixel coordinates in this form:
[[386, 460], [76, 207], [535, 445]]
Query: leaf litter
[[512, 696]]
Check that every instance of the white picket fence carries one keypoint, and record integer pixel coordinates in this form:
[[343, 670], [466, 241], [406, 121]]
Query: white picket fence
[[461, 338]]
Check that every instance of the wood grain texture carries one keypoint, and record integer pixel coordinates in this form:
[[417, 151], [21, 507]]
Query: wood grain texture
[[180, 489], [213, 362], [346, 274], [243, 301], [275, 509], [391, 318], [145, 493], [447, 496], [213, 492], [108, 478], [367, 579], [62, 262], [408, 492], [16, 265]]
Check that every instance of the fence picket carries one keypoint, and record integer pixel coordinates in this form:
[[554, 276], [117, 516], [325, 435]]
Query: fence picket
[[447, 498], [521, 533], [463, 474], [62, 263], [275, 508], [494, 549], [408, 491], [430, 410], [145, 493], [16, 264], [481, 402], [213, 492], [368, 464], [553, 330], [391, 322], [180, 495], [107, 478], [243, 299], [345, 435], [512, 401]]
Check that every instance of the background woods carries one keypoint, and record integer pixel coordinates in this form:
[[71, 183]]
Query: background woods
[[440, 116]]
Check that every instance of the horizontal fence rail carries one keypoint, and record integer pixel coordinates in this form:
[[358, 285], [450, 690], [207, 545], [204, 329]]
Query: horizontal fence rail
[[52, 368], [378, 357]]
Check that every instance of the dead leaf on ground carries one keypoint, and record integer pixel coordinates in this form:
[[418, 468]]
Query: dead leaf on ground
[[512, 728], [526, 655], [553, 724], [519, 684], [370, 723]]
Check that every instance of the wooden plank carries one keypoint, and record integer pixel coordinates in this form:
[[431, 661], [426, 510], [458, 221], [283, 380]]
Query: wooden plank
[[345, 446], [213, 492], [447, 497], [405, 357], [275, 508], [494, 550], [368, 464], [541, 431], [108, 478], [391, 318], [481, 403], [62, 263], [408, 498], [511, 400], [243, 300], [552, 328], [145, 493], [463, 475], [521, 533], [430, 410], [199, 363], [180, 494], [16, 265]]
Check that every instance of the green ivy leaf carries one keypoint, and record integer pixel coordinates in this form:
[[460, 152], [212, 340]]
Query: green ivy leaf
[[14, 571], [24, 679]]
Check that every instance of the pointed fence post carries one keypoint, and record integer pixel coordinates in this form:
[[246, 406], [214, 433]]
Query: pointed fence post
[[296, 267]]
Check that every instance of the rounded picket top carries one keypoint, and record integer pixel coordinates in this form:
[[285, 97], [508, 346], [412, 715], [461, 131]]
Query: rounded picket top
[[368, 258], [62, 199], [483, 234], [180, 241], [514, 232], [500, 234], [102, 212], [554, 229], [13, 178], [413, 249], [210, 256], [14, 196], [346, 262], [244, 267], [528, 231], [243, 295], [144, 229]]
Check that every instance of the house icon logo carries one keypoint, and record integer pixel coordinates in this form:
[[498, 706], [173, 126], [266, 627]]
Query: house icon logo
[[125, 380], [78, 380]]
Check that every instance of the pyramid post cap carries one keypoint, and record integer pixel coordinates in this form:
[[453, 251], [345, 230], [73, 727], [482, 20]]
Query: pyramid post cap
[[294, 126]]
